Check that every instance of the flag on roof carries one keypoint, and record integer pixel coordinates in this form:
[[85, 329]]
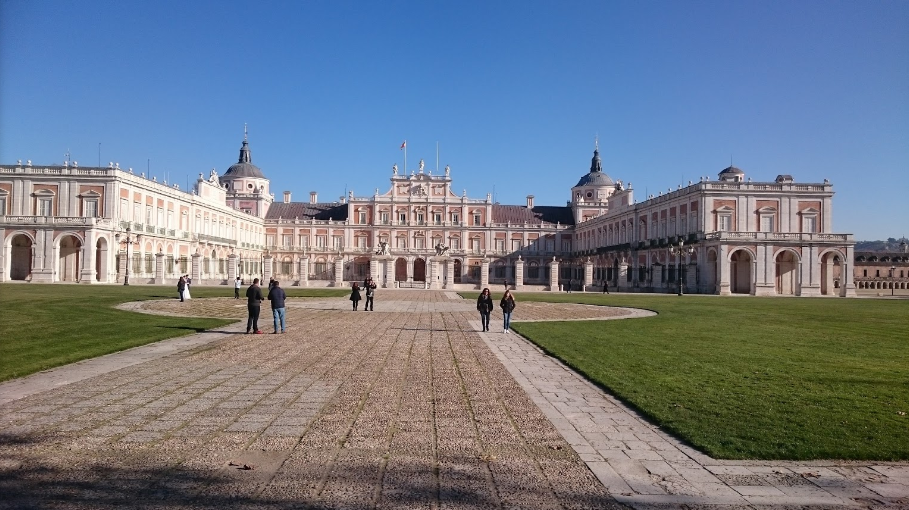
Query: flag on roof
[[404, 144]]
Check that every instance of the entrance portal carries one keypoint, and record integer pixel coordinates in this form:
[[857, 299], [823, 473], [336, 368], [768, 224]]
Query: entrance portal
[[20, 258], [740, 272]]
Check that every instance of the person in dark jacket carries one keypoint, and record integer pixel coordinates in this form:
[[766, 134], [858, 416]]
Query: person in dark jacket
[[355, 295], [277, 296], [253, 305], [181, 287], [370, 295], [507, 306], [605, 286], [484, 306]]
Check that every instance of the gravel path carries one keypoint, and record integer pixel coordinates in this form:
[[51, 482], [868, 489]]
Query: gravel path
[[409, 406]]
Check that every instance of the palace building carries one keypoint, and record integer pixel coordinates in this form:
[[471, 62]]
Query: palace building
[[69, 223]]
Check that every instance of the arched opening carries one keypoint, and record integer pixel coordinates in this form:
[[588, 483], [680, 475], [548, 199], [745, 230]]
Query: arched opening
[[401, 270], [361, 268], [70, 251], [457, 271], [20, 258], [786, 280], [831, 274], [101, 260], [740, 272], [711, 270], [419, 270]]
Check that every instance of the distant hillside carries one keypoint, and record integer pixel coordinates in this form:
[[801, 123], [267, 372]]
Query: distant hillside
[[888, 245]]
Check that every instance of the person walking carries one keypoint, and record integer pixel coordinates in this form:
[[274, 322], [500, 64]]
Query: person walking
[[570, 283], [277, 296], [186, 285], [253, 306], [237, 285], [370, 295], [605, 286], [355, 295], [507, 306], [484, 306], [181, 287]]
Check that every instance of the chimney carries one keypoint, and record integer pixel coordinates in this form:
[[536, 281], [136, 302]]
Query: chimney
[[286, 197], [530, 201], [313, 197]]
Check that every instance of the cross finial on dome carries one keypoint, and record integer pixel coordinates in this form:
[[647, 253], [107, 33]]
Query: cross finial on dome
[[596, 142], [245, 132]]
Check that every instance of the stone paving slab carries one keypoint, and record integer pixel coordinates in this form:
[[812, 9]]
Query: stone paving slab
[[409, 406]]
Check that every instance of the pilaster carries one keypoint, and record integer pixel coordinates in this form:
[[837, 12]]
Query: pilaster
[[588, 274], [159, 268], [304, 272], [484, 273], [519, 273], [554, 275], [339, 272], [87, 274]]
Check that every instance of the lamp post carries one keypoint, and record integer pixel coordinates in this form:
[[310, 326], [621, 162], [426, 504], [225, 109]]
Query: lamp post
[[128, 239], [892, 282], [679, 251]]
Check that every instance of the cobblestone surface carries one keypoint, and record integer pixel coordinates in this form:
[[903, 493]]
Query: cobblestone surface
[[409, 406]]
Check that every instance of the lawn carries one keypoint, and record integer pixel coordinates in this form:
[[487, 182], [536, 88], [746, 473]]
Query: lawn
[[44, 326], [747, 377]]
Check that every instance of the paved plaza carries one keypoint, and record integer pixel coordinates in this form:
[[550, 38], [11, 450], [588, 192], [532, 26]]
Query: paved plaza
[[407, 406]]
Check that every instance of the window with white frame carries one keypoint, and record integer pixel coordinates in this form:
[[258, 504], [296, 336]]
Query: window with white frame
[[454, 243], [455, 218], [809, 223], [500, 245], [402, 218], [475, 245], [361, 217], [421, 218], [321, 241], [384, 216], [419, 243], [90, 207], [124, 209], [437, 218], [724, 222], [402, 243], [148, 215], [337, 242], [361, 242], [45, 206], [766, 219], [476, 218], [3, 202], [566, 246], [288, 240], [516, 245], [304, 241], [270, 240]]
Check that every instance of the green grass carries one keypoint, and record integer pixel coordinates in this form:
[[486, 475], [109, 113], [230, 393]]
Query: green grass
[[750, 378], [45, 326]]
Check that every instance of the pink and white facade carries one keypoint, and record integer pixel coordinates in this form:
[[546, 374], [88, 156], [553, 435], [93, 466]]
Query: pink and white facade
[[68, 224]]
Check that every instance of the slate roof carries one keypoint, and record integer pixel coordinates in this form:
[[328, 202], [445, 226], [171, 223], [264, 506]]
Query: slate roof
[[542, 214], [307, 211], [244, 167]]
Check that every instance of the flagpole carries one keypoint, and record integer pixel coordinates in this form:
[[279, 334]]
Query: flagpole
[[405, 157]]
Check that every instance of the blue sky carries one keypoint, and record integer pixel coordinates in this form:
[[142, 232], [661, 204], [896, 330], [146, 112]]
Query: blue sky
[[513, 92]]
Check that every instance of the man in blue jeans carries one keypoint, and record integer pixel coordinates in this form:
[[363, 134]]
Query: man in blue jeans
[[277, 296]]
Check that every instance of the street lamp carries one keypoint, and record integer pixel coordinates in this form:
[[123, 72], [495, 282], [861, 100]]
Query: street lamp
[[128, 239], [679, 251], [892, 282]]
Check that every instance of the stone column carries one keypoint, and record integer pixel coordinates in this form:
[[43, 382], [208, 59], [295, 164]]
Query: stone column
[[722, 266], [847, 278], [159, 268], [484, 273], [764, 278], [195, 271], [374, 269], [519, 273], [588, 274], [121, 266], [449, 273], [267, 271], [554, 275], [435, 276], [5, 253], [388, 279], [87, 274], [232, 272], [622, 278], [811, 282], [304, 272], [339, 272]]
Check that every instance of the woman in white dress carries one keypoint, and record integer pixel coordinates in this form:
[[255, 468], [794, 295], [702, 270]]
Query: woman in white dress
[[186, 292]]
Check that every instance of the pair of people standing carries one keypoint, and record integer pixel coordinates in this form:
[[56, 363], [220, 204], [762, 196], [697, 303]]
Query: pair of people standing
[[369, 288], [254, 304], [485, 304], [183, 287]]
